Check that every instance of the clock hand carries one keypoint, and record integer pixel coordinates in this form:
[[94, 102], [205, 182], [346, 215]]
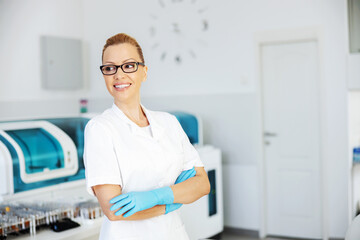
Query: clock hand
[[192, 53]]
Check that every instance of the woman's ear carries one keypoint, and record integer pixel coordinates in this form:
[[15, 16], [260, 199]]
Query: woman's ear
[[145, 69]]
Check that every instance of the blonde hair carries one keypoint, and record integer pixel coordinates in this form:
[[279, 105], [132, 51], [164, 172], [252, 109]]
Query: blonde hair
[[123, 38]]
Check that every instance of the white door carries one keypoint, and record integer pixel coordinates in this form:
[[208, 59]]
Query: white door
[[290, 84]]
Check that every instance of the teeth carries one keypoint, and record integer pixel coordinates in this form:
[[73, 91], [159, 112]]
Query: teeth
[[122, 86]]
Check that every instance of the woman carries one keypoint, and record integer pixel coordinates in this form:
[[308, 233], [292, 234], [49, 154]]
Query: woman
[[139, 163]]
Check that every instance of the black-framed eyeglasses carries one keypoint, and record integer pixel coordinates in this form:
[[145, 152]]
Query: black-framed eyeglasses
[[128, 67]]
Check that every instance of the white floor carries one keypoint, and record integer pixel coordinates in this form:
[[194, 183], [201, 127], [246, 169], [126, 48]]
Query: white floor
[[229, 235]]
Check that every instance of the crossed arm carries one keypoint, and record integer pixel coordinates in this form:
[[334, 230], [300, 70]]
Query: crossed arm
[[184, 192]]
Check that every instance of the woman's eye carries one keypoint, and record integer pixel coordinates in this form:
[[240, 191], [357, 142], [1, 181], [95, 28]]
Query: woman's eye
[[129, 65], [109, 68]]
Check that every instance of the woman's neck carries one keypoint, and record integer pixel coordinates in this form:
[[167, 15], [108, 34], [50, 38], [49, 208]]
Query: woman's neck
[[134, 112]]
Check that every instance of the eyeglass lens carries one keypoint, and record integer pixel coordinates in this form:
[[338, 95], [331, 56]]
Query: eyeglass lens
[[129, 67]]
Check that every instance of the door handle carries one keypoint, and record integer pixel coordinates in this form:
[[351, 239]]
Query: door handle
[[269, 134]]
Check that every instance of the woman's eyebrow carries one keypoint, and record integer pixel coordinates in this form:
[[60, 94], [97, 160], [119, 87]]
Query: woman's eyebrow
[[129, 59], [110, 62]]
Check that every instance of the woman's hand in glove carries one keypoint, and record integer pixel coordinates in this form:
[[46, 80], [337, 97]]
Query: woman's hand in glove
[[133, 202], [184, 175]]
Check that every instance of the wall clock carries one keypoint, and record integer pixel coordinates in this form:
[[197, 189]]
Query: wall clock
[[178, 29]]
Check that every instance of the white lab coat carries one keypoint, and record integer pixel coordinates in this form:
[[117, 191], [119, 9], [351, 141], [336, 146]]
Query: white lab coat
[[117, 151]]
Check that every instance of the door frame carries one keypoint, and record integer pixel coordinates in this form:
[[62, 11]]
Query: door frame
[[289, 36]]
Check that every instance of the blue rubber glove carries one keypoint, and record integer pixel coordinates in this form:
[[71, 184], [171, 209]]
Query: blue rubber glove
[[133, 202], [184, 175]]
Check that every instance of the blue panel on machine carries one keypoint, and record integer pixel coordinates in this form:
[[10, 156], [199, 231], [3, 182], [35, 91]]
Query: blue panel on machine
[[41, 150], [190, 125]]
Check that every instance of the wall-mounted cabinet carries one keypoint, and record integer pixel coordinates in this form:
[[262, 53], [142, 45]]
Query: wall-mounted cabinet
[[61, 63]]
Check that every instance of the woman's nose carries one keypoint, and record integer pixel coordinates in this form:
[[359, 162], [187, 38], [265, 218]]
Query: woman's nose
[[119, 74]]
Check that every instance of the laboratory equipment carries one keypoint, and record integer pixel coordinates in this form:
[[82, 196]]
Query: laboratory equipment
[[42, 180], [209, 220]]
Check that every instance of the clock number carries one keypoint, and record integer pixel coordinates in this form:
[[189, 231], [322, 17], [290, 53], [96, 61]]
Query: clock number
[[178, 59], [152, 31], [205, 25], [176, 27], [163, 55], [162, 4]]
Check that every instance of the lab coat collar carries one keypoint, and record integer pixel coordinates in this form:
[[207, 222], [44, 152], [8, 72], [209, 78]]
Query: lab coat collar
[[157, 129]]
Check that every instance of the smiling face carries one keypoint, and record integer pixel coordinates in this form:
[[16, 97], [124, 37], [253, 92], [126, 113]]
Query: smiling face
[[124, 87]]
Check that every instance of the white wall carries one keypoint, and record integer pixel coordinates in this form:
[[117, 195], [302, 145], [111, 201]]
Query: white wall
[[225, 98], [335, 151], [21, 25], [354, 141]]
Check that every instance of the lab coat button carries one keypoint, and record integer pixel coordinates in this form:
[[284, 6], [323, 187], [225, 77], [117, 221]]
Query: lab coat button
[[161, 184]]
